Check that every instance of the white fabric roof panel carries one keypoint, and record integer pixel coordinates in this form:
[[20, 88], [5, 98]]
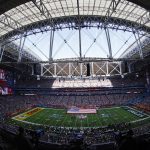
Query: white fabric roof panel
[[28, 13]]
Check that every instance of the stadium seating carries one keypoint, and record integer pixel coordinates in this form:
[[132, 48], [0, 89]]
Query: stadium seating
[[80, 97]]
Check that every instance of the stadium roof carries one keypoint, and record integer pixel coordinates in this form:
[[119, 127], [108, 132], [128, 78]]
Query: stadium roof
[[6, 5], [21, 16]]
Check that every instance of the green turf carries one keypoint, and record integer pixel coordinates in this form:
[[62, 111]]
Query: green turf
[[104, 117]]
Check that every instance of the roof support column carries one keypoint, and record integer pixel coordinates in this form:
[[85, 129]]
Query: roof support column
[[92, 68], [108, 42], [80, 47], [32, 68], [2, 48], [55, 73], [137, 38], [120, 68], [129, 67], [20, 48], [51, 44], [81, 70], [41, 69], [107, 68], [79, 26], [70, 69]]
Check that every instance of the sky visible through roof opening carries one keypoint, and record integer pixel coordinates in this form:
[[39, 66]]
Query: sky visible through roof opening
[[66, 43]]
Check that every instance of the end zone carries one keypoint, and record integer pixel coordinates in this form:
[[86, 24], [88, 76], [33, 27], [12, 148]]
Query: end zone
[[27, 114]]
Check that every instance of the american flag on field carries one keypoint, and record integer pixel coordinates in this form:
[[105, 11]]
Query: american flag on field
[[74, 109], [81, 111]]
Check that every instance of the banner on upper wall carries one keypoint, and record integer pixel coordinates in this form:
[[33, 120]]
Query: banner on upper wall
[[6, 82], [2, 74], [6, 91]]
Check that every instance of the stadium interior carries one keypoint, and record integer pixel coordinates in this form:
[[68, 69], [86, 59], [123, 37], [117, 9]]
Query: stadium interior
[[81, 101]]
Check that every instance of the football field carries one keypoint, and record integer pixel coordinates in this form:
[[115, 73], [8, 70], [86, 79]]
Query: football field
[[59, 117]]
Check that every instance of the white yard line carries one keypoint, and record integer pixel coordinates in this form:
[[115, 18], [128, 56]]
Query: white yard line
[[110, 108], [137, 110], [140, 119], [28, 122]]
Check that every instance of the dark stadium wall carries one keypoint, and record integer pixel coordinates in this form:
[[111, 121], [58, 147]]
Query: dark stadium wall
[[127, 67], [88, 69], [36, 69]]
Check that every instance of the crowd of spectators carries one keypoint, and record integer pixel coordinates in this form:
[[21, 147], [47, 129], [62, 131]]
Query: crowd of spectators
[[80, 82], [118, 134], [145, 104], [17, 103], [9, 105]]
